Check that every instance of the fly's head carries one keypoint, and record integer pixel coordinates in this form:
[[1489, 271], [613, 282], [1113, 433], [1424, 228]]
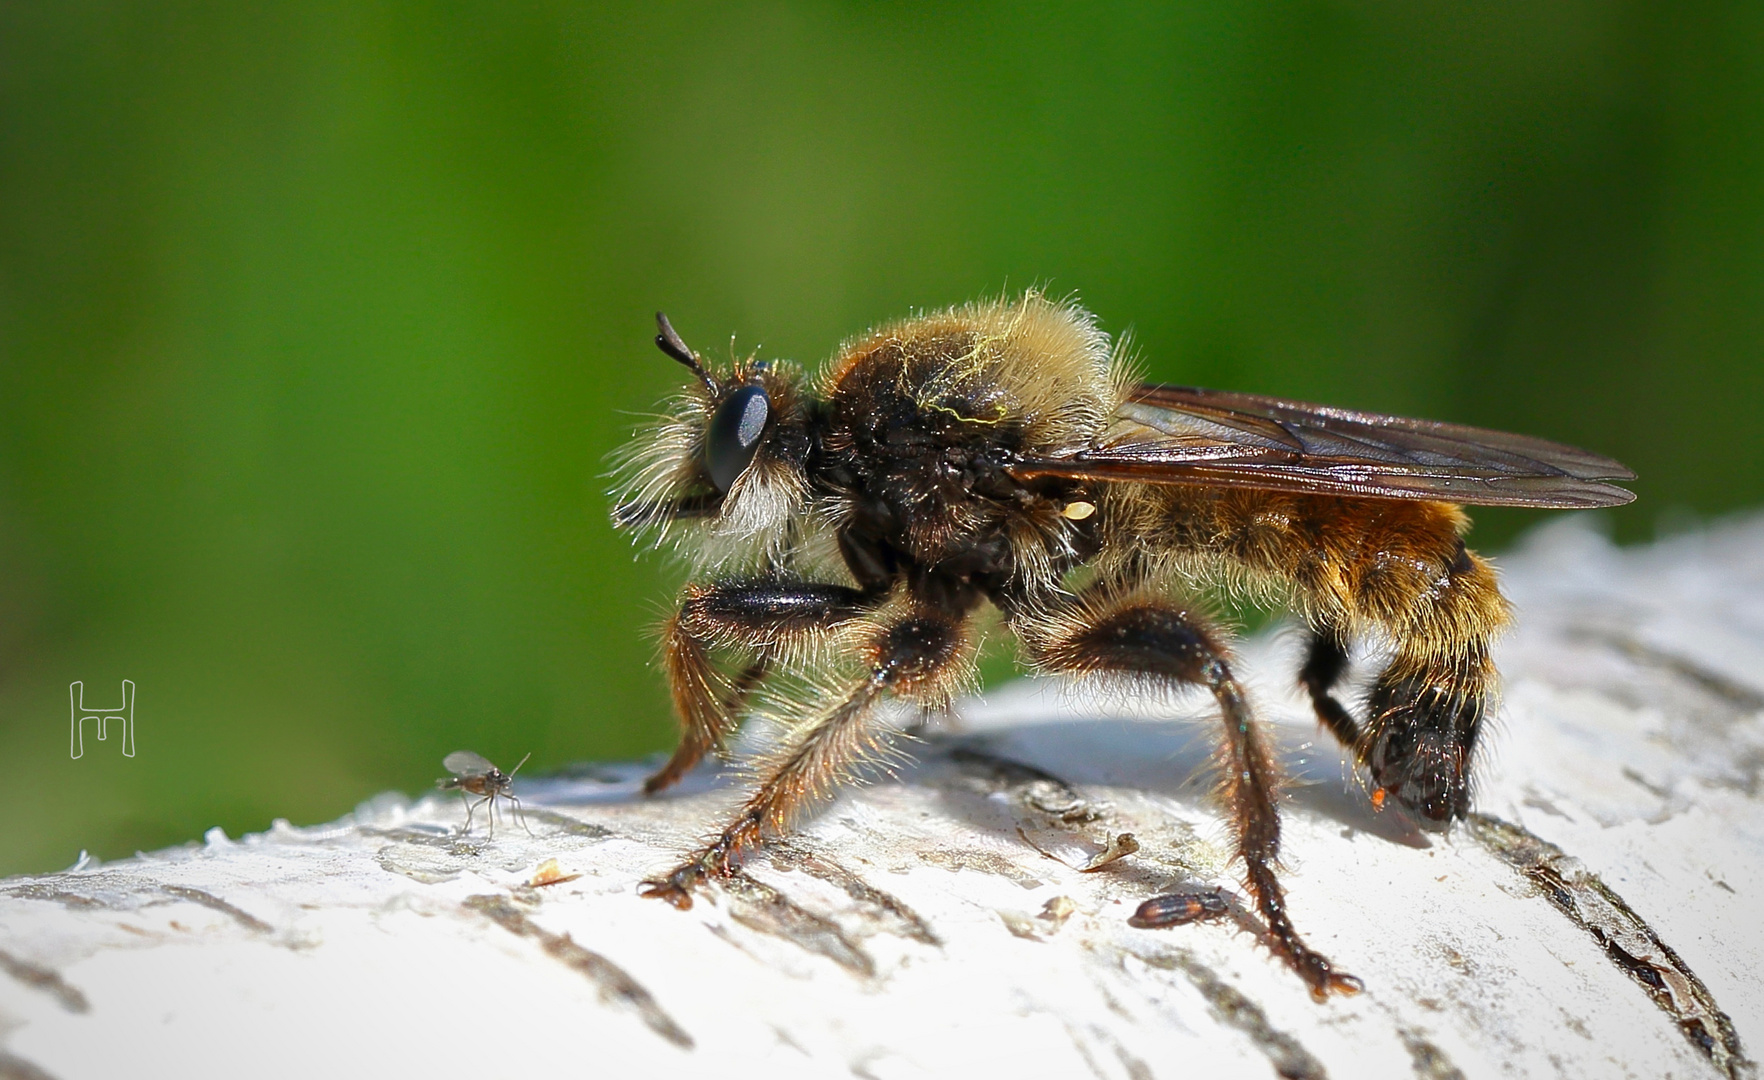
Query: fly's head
[[721, 472]]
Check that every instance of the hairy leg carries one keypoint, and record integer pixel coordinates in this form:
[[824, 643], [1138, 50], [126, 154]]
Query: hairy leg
[[760, 617], [921, 654], [1143, 636]]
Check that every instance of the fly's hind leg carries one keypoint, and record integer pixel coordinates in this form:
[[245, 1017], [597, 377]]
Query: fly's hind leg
[[922, 655], [1325, 663], [1143, 636], [760, 617]]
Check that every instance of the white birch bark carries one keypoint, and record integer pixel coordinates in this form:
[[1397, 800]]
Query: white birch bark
[[1601, 920]]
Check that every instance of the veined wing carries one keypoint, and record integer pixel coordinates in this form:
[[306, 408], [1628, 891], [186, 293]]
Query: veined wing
[[466, 763], [1186, 435]]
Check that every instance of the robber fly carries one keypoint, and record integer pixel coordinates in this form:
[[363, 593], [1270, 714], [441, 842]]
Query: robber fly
[[474, 775], [856, 523]]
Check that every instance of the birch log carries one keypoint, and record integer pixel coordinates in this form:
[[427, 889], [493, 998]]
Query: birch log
[[1600, 917]]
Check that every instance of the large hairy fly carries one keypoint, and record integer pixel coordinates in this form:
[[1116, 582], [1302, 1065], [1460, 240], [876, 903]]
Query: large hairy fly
[[853, 526]]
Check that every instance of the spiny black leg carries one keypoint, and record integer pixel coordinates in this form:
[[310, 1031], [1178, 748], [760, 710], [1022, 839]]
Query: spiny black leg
[[758, 616], [1324, 666], [1143, 637]]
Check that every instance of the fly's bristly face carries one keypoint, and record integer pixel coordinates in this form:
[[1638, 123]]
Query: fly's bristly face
[[997, 455], [721, 472]]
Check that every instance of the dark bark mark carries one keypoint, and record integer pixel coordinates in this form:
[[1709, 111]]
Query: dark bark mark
[[13, 1067], [215, 903], [44, 979], [1037, 790], [1053, 817], [984, 862], [760, 907], [908, 923], [1230, 1007], [616, 986], [70, 900], [1429, 1061], [1711, 682], [569, 825], [1625, 936]]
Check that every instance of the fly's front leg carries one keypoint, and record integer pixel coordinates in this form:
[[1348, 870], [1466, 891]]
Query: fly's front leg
[[1144, 636], [762, 618], [921, 655]]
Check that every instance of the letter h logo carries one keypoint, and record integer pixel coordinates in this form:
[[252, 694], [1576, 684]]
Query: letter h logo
[[76, 738]]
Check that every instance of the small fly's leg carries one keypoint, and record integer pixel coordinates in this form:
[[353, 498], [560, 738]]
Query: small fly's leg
[[920, 656], [760, 617], [521, 814], [1138, 635]]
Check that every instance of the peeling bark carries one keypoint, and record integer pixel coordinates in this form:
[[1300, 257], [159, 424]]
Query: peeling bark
[[971, 916]]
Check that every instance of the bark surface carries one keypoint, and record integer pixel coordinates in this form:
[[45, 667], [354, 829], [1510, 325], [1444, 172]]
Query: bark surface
[[969, 917]]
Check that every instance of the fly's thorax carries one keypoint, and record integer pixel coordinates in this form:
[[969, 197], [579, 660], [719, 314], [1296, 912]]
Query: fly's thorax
[[927, 416], [1029, 370]]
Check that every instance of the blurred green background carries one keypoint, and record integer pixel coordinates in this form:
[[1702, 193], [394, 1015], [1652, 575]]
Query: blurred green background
[[316, 320]]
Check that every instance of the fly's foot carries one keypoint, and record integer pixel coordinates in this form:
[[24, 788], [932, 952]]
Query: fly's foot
[[716, 861], [678, 886], [1320, 975], [675, 889]]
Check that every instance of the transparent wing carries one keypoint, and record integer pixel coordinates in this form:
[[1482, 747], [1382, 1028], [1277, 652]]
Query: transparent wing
[[1186, 435], [466, 763]]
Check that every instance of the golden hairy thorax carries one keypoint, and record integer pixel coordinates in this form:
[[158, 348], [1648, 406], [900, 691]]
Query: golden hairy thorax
[[927, 410], [1042, 367]]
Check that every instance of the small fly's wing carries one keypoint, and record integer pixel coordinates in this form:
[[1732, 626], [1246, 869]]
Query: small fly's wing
[[1186, 435], [464, 763]]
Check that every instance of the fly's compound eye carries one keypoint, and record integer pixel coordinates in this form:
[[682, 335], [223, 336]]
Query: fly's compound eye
[[734, 435]]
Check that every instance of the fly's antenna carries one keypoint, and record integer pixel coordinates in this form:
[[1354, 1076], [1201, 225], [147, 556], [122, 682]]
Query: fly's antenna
[[668, 341], [519, 812]]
